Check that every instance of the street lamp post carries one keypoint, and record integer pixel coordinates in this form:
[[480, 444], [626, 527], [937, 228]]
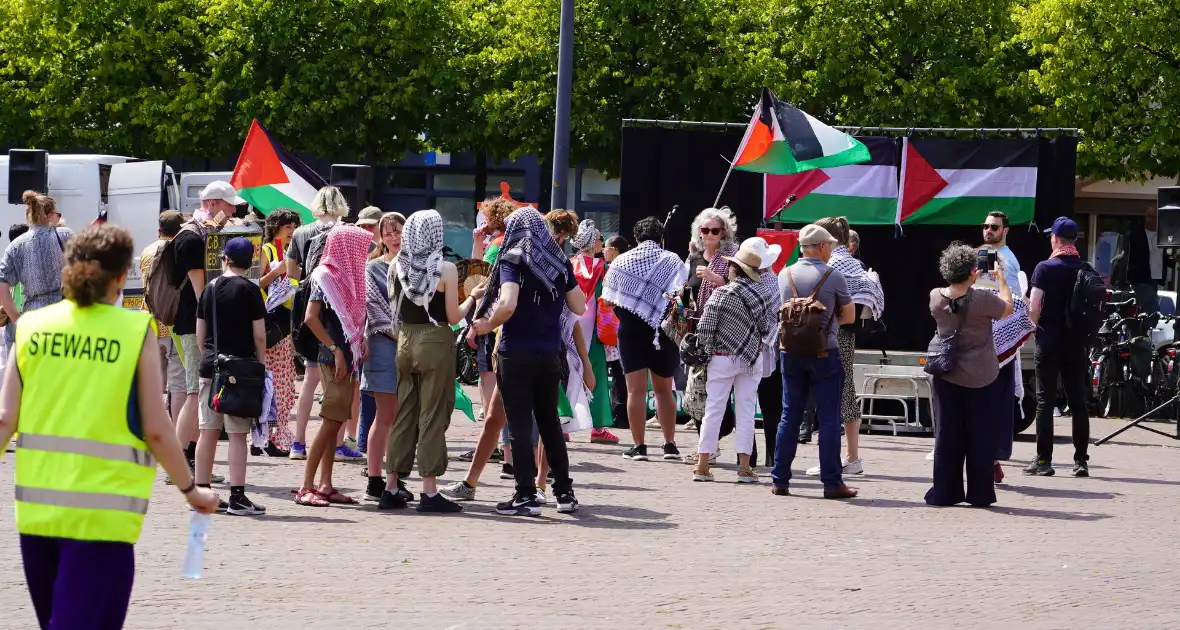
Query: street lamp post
[[565, 83]]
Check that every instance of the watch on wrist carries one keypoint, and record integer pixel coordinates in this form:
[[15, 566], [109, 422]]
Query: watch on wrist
[[333, 348]]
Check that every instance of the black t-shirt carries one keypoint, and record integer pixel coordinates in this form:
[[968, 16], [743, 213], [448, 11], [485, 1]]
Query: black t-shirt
[[535, 325], [239, 305], [189, 250], [1055, 278]]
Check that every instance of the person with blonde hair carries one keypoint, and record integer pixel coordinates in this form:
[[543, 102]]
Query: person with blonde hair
[[35, 259]]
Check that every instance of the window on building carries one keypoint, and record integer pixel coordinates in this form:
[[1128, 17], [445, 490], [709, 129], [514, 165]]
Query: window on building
[[458, 215], [414, 180]]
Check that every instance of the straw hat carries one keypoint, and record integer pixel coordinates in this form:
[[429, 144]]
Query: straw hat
[[754, 255]]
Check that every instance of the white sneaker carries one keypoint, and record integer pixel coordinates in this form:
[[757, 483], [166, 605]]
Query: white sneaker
[[542, 498], [653, 423], [930, 456], [855, 467], [812, 472]]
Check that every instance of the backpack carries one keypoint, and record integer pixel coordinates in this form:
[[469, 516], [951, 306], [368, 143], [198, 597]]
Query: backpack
[[306, 344], [161, 291], [804, 321], [1084, 315]]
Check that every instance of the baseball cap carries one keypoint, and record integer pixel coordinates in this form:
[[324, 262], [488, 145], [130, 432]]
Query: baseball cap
[[369, 216], [814, 235], [239, 251], [223, 191], [1064, 227]]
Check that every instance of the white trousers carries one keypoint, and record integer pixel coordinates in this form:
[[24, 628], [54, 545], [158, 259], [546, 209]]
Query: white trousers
[[728, 374]]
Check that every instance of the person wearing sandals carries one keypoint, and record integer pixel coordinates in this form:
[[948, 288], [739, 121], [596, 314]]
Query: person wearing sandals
[[735, 325], [280, 358], [336, 316], [424, 298]]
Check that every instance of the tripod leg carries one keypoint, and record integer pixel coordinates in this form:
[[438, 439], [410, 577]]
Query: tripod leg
[[1136, 421]]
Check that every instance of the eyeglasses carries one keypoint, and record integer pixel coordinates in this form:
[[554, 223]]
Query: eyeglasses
[[713, 231], [992, 227]]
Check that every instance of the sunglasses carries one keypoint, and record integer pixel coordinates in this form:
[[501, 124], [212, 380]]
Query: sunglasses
[[992, 227], [713, 231]]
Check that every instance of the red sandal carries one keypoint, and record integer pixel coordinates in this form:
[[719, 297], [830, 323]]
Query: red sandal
[[332, 495], [310, 498]]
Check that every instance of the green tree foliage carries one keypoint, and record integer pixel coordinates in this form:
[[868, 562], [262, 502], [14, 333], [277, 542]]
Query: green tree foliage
[[1112, 68]]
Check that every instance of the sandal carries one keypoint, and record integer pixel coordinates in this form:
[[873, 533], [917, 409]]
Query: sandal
[[335, 496], [310, 498], [747, 475]]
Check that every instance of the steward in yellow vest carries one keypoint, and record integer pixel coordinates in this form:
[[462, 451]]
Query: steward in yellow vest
[[82, 387]]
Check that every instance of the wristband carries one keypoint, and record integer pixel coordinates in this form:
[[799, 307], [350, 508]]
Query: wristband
[[192, 485]]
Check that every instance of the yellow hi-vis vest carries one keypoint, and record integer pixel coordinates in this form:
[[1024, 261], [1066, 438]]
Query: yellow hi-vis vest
[[80, 471]]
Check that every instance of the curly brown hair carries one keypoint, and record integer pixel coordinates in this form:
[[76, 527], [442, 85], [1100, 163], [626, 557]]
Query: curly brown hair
[[496, 211], [562, 222], [95, 258]]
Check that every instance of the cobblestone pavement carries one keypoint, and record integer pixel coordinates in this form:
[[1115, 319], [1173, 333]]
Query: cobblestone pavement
[[651, 549]]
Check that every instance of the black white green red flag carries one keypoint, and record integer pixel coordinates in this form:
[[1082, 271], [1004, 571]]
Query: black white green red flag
[[864, 193], [782, 139], [957, 182], [270, 177]]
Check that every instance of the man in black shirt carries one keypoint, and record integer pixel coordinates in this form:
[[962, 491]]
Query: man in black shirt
[[217, 205], [236, 327]]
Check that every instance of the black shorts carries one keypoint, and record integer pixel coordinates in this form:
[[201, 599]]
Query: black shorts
[[637, 349]]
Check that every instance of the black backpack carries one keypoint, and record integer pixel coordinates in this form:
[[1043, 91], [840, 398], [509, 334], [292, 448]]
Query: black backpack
[[1084, 315], [306, 344]]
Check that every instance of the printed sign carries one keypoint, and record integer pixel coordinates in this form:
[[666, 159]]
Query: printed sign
[[215, 245]]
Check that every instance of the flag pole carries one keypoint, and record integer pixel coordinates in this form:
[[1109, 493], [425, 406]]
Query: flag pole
[[724, 181]]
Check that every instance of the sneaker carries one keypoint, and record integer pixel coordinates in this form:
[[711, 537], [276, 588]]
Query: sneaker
[[702, 477], [1040, 468], [391, 501], [467, 456], [438, 504], [671, 453], [255, 451], [241, 505], [459, 491], [567, 503], [375, 489], [854, 467], [691, 458], [541, 497], [653, 423], [603, 436], [346, 454], [1081, 469], [351, 443], [506, 472], [216, 479], [637, 453], [404, 492], [519, 506], [298, 451], [747, 476], [273, 451], [497, 455], [222, 507], [692, 424]]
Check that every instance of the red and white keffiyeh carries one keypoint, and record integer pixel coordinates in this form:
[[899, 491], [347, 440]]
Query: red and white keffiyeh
[[341, 276]]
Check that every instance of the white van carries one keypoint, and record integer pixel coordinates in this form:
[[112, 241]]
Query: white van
[[191, 185], [132, 192]]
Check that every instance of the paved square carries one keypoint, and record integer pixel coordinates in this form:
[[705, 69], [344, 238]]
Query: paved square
[[651, 549]]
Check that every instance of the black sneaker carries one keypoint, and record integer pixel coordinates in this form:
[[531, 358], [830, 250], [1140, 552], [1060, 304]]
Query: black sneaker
[[506, 472], [241, 505], [671, 453], [274, 451], [519, 506], [466, 456], [255, 451], [1081, 469], [438, 504], [497, 455], [391, 501], [1039, 468], [636, 453], [222, 507], [375, 490], [404, 492], [567, 503]]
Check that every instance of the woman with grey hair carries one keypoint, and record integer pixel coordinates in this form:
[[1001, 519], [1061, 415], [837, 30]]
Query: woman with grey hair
[[965, 397]]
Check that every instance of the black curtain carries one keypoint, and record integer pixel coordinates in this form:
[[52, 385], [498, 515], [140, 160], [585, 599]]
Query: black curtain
[[666, 166]]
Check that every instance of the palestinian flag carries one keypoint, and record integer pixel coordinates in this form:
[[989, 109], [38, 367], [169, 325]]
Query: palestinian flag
[[957, 182], [865, 193], [270, 177], [784, 140]]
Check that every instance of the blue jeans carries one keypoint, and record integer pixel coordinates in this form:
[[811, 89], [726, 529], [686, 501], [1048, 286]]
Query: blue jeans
[[368, 416], [821, 378]]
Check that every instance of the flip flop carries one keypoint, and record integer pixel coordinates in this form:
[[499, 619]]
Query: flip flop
[[310, 498], [337, 497]]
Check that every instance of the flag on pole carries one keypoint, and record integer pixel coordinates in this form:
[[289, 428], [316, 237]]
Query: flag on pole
[[783, 140], [865, 193], [270, 177]]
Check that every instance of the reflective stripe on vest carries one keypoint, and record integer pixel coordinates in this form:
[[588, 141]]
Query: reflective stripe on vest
[[79, 446], [85, 500]]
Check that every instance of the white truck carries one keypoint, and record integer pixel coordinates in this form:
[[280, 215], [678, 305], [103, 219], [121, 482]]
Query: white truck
[[131, 191]]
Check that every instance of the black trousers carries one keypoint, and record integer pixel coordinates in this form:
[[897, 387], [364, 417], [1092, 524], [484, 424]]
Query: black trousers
[[964, 436], [528, 386], [618, 394], [770, 400], [1071, 363]]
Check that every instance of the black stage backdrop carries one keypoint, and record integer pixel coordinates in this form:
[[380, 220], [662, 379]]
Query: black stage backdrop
[[685, 166]]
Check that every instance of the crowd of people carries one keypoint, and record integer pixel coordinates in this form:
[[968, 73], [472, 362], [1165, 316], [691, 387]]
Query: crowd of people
[[570, 332]]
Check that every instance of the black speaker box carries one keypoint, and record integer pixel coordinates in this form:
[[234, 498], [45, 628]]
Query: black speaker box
[[28, 169], [355, 182], [1168, 216]]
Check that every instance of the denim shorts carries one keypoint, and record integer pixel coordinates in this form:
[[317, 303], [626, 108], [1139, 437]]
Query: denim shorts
[[483, 352], [379, 372]]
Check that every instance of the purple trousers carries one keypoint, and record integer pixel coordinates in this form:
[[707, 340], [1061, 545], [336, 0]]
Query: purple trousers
[[78, 584]]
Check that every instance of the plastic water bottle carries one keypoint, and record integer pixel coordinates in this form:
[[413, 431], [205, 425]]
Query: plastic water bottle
[[194, 554]]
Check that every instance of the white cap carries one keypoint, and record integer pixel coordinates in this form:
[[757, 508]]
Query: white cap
[[223, 191]]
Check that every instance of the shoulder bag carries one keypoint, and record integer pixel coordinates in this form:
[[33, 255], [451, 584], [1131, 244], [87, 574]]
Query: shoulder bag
[[239, 383], [940, 353]]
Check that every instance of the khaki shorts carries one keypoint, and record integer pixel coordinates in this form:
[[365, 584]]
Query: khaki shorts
[[337, 403], [192, 363], [212, 421], [174, 376]]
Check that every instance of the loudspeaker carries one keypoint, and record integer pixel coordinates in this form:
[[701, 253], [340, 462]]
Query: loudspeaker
[[355, 182], [28, 169], [1168, 216]]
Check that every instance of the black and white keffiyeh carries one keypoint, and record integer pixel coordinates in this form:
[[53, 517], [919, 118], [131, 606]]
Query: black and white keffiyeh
[[587, 235], [527, 242], [419, 263], [736, 320], [644, 281], [864, 286], [1010, 333]]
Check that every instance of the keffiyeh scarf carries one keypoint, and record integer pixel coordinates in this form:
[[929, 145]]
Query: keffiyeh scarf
[[864, 286], [527, 242], [341, 276], [419, 262], [719, 266], [586, 236], [644, 281], [1065, 250]]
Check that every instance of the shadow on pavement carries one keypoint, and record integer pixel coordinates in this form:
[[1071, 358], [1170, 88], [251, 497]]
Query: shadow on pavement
[[607, 486], [998, 509], [1157, 482], [1054, 493], [597, 516]]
